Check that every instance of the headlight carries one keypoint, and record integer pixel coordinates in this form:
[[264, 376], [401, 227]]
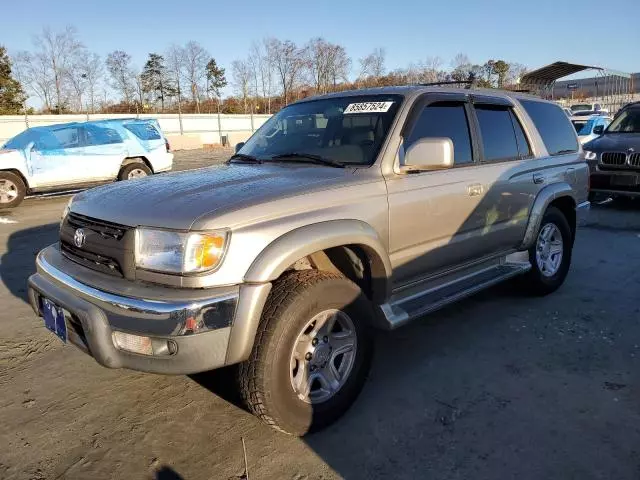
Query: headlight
[[179, 252], [588, 155]]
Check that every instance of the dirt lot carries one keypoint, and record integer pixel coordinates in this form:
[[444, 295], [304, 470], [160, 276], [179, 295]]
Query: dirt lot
[[500, 386]]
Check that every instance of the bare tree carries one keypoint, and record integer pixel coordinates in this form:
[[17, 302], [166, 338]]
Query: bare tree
[[94, 72], [242, 76], [119, 67], [195, 62], [60, 51], [327, 63], [175, 66], [288, 62], [77, 78], [373, 64], [33, 72]]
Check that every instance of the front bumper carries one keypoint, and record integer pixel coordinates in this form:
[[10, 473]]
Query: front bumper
[[93, 313], [620, 181]]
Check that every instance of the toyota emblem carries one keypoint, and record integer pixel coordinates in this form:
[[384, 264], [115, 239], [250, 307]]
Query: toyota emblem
[[79, 238]]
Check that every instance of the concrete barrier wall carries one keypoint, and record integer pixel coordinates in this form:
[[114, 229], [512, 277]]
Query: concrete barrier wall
[[197, 129]]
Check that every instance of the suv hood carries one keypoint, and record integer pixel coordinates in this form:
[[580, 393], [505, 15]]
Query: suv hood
[[177, 200], [615, 142]]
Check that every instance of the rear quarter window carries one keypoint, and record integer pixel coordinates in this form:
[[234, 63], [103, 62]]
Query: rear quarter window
[[144, 131], [557, 132]]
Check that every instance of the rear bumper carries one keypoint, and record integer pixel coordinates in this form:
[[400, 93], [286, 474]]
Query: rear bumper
[[93, 315]]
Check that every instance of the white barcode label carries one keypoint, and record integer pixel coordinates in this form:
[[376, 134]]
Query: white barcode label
[[368, 107]]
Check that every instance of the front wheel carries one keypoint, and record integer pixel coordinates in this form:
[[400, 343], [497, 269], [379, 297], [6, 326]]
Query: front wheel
[[12, 190], [550, 255], [312, 352]]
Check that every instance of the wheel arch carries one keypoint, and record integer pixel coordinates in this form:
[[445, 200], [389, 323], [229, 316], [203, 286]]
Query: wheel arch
[[137, 159], [306, 241], [559, 195], [17, 172]]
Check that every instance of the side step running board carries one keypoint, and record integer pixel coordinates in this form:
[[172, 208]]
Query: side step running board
[[402, 309]]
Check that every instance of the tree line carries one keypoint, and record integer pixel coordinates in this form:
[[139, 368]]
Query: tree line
[[65, 76]]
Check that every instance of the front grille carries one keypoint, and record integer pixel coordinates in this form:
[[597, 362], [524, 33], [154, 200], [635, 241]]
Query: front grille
[[104, 229], [616, 159], [108, 246], [634, 159], [91, 260]]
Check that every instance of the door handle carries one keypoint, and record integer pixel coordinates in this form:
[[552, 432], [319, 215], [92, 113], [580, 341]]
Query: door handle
[[475, 189], [538, 178]]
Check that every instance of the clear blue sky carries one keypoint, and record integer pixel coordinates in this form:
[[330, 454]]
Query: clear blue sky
[[532, 32]]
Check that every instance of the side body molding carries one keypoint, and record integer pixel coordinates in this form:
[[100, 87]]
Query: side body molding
[[547, 195], [303, 241]]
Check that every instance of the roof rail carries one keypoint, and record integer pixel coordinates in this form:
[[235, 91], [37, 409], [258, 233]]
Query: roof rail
[[468, 83]]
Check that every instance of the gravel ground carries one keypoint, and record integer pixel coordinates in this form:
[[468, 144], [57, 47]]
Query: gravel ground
[[498, 386]]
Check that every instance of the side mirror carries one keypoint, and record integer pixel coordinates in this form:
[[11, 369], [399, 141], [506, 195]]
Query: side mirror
[[429, 154], [31, 146], [239, 146], [598, 130]]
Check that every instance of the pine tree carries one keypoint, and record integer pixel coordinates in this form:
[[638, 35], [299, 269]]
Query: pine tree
[[11, 93], [155, 80]]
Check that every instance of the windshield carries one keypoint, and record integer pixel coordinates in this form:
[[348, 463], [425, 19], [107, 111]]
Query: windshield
[[583, 127], [20, 141], [349, 130], [581, 106], [627, 122]]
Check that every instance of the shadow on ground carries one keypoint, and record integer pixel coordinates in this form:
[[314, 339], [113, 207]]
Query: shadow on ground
[[19, 261]]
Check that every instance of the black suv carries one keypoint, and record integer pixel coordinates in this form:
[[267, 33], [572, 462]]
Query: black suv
[[614, 157]]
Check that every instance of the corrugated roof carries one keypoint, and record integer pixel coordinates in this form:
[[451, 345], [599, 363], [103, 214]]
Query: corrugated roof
[[554, 71]]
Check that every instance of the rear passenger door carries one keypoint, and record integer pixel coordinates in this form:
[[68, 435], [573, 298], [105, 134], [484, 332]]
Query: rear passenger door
[[103, 151], [504, 173]]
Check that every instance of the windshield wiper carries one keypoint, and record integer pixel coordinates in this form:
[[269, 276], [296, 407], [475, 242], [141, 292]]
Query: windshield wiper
[[309, 157], [244, 157]]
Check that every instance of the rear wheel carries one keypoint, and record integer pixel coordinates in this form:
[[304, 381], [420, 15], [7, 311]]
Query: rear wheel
[[134, 170], [550, 255], [312, 352], [12, 190]]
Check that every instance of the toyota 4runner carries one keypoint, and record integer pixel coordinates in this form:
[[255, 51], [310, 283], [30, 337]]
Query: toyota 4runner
[[341, 214]]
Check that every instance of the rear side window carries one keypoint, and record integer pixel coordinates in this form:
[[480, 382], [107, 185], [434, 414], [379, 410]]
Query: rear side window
[[444, 119], [553, 125], [144, 131], [498, 135]]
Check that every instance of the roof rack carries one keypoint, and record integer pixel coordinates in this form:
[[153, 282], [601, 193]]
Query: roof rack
[[468, 83]]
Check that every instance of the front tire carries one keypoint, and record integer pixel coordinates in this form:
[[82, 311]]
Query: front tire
[[312, 352], [12, 190], [550, 254], [134, 170]]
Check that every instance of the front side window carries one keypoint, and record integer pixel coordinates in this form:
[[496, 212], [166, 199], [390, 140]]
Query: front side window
[[349, 130], [627, 122], [558, 135], [67, 137], [448, 120]]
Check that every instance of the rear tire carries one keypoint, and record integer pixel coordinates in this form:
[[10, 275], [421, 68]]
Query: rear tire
[[290, 353], [134, 170], [550, 254], [12, 190]]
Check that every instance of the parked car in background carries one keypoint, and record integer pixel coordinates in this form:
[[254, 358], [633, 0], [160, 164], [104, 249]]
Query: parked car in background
[[588, 107], [614, 157], [585, 126], [76, 155], [342, 213]]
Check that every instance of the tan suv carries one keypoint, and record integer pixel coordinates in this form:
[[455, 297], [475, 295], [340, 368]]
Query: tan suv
[[343, 213]]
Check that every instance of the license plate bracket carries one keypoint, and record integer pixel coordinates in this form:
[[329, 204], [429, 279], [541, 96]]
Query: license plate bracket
[[54, 318], [624, 180]]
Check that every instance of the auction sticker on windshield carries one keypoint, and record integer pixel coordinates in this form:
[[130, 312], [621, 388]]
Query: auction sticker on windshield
[[368, 107]]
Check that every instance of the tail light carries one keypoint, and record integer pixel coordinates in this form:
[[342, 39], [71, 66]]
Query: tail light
[[166, 144]]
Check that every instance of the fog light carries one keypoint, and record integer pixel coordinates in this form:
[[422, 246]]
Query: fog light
[[133, 343]]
